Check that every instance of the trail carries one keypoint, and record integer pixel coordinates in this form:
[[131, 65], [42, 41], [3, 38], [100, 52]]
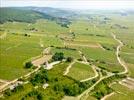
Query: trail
[[84, 62], [87, 63], [121, 62], [3, 81], [104, 98], [96, 74], [7, 84], [84, 58], [68, 68], [101, 47], [92, 87]]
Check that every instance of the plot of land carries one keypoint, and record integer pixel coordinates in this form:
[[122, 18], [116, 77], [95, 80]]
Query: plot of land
[[128, 82], [81, 71], [41, 60], [15, 51], [121, 93]]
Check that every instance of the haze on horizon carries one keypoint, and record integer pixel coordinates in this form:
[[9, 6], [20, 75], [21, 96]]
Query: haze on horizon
[[72, 4]]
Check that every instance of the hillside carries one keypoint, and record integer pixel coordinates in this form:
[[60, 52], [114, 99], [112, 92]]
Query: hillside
[[12, 14], [30, 15]]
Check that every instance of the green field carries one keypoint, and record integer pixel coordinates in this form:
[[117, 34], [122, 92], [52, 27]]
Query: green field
[[15, 50], [122, 93], [76, 35], [81, 71]]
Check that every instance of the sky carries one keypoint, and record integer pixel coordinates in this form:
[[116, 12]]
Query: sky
[[73, 4]]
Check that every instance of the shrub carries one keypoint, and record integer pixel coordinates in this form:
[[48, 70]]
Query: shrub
[[69, 59], [28, 64], [58, 56]]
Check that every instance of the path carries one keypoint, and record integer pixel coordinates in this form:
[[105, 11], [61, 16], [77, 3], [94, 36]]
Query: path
[[68, 68], [92, 87], [96, 74], [84, 58], [93, 67], [104, 98], [7, 84], [101, 47], [84, 62], [3, 81], [121, 62]]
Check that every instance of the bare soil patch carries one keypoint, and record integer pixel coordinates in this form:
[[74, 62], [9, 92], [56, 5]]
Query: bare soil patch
[[41, 60]]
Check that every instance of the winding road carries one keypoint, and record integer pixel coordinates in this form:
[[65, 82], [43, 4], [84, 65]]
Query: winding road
[[121, 62]]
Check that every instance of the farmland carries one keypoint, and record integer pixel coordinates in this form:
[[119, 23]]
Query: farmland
[[122, 93], [83, 71], [78, 56]]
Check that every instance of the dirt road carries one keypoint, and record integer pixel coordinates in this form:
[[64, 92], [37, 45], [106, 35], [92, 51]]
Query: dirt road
[[121, 62], [68, 68]]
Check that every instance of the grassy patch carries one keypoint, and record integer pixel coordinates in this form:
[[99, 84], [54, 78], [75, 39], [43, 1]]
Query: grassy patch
[[122, 93], [81, 71]]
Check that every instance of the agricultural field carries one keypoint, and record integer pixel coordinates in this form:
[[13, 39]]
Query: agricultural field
[[81, 71], [121, 93], [58, 54]]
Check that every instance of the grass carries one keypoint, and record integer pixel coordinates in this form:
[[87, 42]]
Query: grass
[[98, 55], [42, 27], [131, 69], [81, 71], [56, 78], [122, 93], [15, 50], [128, 57], [67, 52]]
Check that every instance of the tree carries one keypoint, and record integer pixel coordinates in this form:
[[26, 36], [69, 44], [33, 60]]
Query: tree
[[69, 59], [28, 64], [58, 56]]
